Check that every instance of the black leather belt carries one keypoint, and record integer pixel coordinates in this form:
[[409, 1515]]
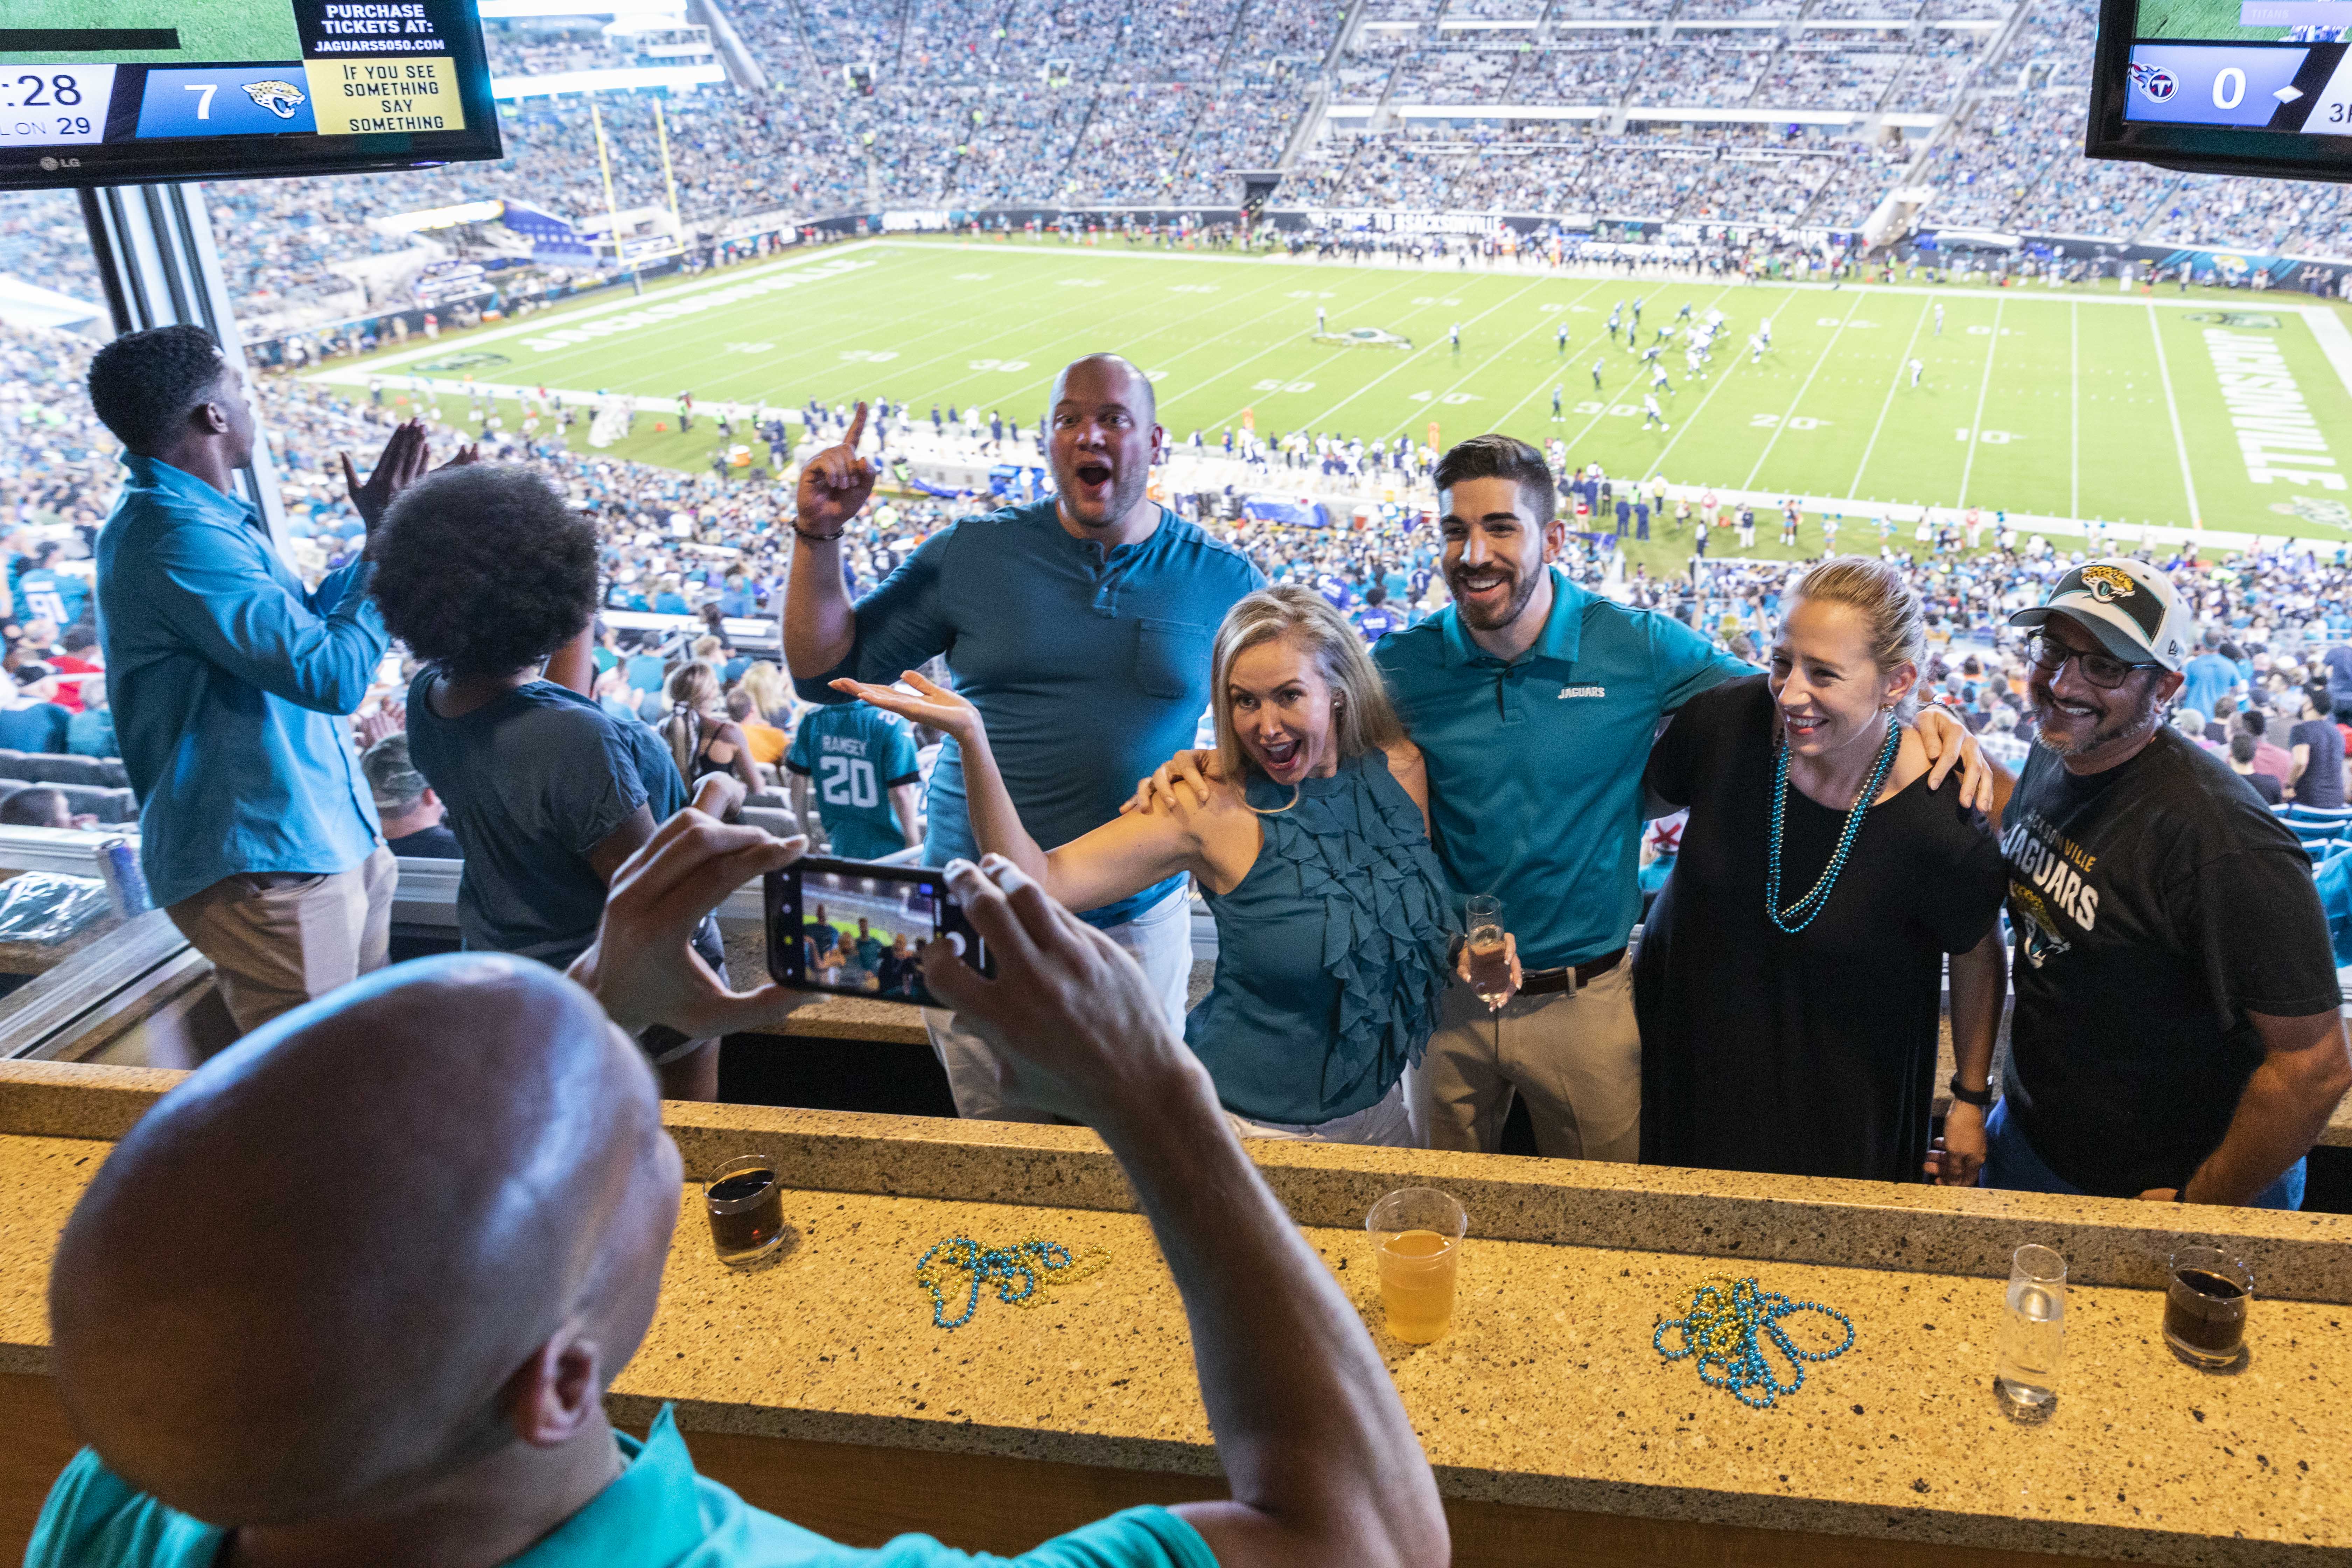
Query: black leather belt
[[1549, 981]]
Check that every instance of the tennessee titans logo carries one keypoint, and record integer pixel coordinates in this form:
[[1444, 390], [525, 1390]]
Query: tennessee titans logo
[[2156, 82]]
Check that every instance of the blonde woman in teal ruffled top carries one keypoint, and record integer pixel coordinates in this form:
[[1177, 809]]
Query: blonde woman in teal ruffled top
[[1312, 847]]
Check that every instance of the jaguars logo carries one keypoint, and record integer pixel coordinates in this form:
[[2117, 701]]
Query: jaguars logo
[[2109, 584], [2318, 511], [2037, 934], [280, 98]]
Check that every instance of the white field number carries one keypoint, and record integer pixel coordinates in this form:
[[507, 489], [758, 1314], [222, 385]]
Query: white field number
[[1282, 386], [1989, 437], [1009, 364]]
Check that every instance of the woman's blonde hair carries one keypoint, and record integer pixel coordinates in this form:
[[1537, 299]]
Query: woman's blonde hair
[[1898, 631], [691, 689], [1363, 716], [770, 695]]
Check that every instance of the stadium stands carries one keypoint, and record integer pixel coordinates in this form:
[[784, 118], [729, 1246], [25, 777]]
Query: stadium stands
[[1784, 114]]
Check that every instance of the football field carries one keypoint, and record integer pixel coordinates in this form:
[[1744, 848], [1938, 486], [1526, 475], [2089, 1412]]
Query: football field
[[2057, 404]]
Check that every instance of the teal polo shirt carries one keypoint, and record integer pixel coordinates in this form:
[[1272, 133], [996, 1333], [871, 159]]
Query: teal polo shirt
[[657, 1514], [1535, 768]]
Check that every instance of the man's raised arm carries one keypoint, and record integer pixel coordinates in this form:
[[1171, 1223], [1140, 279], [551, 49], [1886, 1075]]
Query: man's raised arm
[[819, 627], [1325, 1468]]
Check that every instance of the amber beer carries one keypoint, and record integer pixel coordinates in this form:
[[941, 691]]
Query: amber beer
[[746, 1204], [1417, 1246], [1417, 1273]]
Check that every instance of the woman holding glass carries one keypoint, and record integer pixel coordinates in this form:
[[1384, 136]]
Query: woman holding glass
[[1788, 980], [1313, 851]]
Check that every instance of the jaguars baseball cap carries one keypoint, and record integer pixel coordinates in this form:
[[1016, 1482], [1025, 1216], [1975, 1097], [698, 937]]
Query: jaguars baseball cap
[[2130, 607]]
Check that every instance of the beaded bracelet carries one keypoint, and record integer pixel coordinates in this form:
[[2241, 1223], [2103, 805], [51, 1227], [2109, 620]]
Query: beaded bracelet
[[1721, 1328], [1023, 1272]]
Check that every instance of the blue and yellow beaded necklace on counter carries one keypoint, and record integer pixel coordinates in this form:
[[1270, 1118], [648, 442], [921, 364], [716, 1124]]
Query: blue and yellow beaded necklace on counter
[[1723, 1326], [1023, 1272]]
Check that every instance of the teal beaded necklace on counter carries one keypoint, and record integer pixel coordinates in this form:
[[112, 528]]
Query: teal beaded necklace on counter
[[1802, 912]]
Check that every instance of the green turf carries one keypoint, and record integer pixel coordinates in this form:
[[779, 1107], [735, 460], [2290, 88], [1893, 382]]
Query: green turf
[[2075, 402], [212, 32], [2215, 20]]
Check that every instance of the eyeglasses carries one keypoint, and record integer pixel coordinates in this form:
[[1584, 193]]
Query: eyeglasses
[[2051, 655]]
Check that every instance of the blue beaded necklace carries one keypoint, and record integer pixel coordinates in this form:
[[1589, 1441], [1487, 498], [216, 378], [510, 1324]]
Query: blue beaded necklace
[[1722, 1327], [1023, 1273], [1803, 910]]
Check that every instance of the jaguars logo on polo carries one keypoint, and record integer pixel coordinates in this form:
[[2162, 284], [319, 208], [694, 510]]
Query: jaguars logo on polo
[[280, 98], [2109, 584]]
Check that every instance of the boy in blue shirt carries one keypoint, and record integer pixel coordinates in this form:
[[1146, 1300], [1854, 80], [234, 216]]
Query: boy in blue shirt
[[859, 762]]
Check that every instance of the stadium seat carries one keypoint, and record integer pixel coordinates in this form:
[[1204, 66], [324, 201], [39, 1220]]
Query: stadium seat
[[2325, 816], [776, 820], [2334, 879], [62, 768]]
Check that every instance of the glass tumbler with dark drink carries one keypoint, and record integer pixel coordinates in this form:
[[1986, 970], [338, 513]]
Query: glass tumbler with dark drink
[[2205, 1306], [747, 1209], [1490, 953]]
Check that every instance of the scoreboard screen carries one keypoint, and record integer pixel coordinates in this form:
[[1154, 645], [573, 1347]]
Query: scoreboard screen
[[118, 91]]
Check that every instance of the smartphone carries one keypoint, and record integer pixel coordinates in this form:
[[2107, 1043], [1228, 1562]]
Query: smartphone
[[857, 929]]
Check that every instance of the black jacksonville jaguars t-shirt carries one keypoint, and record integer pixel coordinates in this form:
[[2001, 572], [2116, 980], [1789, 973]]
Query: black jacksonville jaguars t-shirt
[[2154, 905]]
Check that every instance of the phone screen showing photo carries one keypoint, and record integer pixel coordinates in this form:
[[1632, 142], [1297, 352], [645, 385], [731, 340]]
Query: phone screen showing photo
[[857, 929]]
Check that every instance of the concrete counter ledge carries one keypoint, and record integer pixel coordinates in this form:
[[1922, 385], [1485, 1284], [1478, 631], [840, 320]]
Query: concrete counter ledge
[[818, 1385]]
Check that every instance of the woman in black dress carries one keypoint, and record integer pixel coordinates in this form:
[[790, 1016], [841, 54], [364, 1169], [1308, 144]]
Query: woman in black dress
[[1800, 1038]]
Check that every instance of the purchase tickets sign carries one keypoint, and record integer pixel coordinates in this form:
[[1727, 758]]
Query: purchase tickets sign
[[378, 66]]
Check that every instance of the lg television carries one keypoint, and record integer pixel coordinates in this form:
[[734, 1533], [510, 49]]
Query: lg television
[[101, 92], [2226, 87]]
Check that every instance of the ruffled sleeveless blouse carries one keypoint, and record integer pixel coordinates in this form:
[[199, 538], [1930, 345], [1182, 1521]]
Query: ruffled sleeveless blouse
[[1331, 953]]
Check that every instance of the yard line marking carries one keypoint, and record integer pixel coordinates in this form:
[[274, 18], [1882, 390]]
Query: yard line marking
[[2172, 407], [1317, 422], [1828, 348], [1685, 426], [1536, 325], [2074, 409], [1975, 425], [2334, 342], [1278, 342], [1569, 361], [1894, 383]]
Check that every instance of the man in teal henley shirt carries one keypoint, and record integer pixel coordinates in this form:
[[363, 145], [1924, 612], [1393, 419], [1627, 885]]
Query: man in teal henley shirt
[[1080, 627]]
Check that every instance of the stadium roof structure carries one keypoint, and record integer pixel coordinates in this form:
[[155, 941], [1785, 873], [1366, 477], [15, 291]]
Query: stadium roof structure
[[24, 304]]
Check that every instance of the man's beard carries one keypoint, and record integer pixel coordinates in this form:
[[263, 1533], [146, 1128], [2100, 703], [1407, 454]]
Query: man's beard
[[1126, 490], [2142, 716], [1523, 589]]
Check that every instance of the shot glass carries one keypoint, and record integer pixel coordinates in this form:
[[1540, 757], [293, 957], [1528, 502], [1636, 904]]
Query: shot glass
[[2205, 1303], [746, 1204], [2031, 1346], [1417, 1245], [1490, 955]]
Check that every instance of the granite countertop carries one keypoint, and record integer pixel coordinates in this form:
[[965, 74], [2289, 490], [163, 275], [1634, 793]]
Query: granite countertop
[[1546, 1393]]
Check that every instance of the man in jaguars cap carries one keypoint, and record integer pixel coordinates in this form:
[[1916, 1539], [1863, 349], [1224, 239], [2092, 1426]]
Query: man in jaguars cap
[[2176, 1034]]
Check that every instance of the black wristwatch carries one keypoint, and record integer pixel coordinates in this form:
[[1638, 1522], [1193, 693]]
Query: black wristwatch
[[1979, 1097]]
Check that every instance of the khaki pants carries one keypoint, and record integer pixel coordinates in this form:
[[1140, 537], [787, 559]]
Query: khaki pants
[[277, 941], [1575, 1059], [1159, 939]]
